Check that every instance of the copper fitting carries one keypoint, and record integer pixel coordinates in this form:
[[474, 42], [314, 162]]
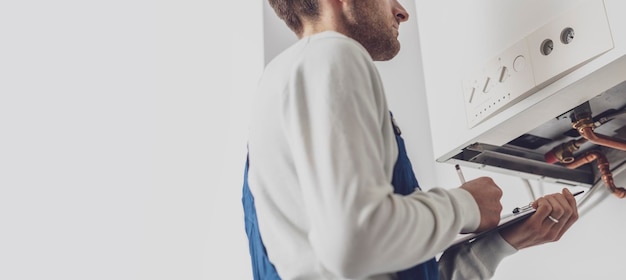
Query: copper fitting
[[585, 128], [564, 153], [603, 166]]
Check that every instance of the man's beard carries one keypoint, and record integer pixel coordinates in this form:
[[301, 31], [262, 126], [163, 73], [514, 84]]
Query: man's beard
[[378, 38]]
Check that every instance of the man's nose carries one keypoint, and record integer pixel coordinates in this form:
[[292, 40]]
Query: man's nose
[[400, 13]]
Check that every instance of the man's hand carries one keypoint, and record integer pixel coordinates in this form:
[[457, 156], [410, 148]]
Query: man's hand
[[487, 195], [540, 228]]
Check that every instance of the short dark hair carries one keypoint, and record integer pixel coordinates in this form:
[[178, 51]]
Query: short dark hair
[[292, 12]]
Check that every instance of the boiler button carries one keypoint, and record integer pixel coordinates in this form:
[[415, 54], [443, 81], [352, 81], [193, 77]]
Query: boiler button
[[519, 63], [472, 91], [488, 85], [504, 73]]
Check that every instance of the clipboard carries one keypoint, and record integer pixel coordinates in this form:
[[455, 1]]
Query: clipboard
[[505, 221]]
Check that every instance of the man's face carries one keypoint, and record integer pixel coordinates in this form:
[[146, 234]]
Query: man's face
[[374, 24]]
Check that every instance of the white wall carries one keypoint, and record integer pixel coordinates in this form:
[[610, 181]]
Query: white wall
[[121, 147]]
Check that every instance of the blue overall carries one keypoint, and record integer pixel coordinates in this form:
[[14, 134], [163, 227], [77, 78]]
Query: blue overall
[[404, 183]]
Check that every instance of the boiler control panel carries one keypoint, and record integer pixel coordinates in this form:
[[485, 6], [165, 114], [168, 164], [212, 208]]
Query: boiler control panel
[[547, 54]]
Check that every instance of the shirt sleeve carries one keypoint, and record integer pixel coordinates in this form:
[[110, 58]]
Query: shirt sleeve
[[333, 111], [476, 260]]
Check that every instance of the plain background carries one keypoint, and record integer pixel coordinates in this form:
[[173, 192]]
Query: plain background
[[114, 132], [122, 143]]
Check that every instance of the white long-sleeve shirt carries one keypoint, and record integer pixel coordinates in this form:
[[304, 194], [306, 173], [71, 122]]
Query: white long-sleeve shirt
[[322, 151]]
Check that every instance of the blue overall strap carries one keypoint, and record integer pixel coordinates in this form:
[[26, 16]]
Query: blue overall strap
[[404, 183], [262, 268]]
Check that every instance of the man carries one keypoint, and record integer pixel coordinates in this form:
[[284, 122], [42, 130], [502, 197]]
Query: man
[[329, 192]]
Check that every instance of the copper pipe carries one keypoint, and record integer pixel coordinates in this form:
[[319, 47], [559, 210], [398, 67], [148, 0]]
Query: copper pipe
[[603, 166], [585, 128], [602, 140]]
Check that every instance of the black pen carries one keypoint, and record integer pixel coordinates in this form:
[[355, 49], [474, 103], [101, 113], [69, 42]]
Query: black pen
[[530, 205]]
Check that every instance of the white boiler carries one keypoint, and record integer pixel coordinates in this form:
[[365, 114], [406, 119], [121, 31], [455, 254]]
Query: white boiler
[[533, 88]]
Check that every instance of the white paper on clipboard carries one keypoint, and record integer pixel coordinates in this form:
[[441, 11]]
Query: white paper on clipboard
[[505, 221]]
